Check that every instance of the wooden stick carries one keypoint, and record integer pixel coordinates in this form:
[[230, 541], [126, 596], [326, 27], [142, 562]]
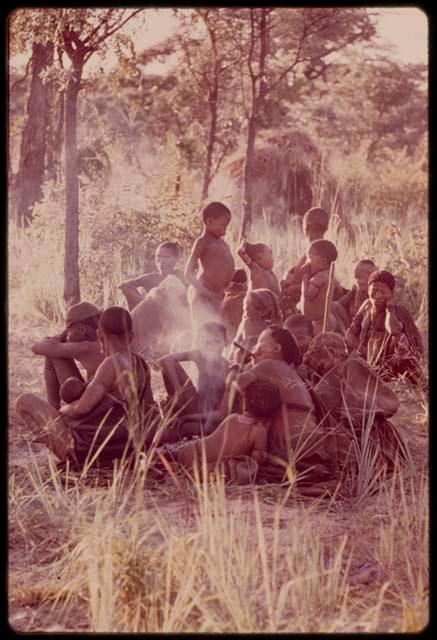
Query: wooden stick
[[329, 295]]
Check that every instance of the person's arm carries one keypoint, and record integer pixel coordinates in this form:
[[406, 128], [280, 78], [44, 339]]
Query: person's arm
[[190, 269], [169, 361], [393, 325], [311, 286], [352, 335], [99, 386], [52, 348], [141, 281], [241, 251], [259, 443]]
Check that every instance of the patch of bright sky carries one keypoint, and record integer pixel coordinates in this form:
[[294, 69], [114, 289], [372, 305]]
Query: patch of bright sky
[[403, 29]]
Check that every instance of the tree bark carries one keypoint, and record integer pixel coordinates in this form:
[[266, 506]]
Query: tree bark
[[211, 143], [34, 139], [248, 175], [71, 257], [56, 136]]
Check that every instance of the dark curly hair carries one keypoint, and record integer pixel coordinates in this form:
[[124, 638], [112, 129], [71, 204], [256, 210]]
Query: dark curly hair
[[116, 321], [261, 399], [215, 210], [287, 342]]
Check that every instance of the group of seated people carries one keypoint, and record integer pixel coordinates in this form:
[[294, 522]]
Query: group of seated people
[[265, 380]]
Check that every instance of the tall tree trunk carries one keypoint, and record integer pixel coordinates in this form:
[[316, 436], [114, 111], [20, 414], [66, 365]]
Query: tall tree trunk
[[55, 135], [211, 143], [71, 257], [248, 175], [33, 142]]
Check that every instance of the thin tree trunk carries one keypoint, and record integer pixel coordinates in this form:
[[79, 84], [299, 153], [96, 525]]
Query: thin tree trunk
[[248, 176], [211, 143], [33, 142], [71, 257]]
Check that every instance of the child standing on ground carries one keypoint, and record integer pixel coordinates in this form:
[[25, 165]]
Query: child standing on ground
[[166, 258], [315, 281], [206, 290], [315, 224], [259, 259]]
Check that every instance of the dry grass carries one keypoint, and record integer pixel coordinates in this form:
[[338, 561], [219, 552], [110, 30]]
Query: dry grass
[[120, 553]]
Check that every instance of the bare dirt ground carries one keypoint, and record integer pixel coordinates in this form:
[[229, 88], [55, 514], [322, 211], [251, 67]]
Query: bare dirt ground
[[32, 552]]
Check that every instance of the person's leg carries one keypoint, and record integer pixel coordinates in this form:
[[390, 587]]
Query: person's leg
[[46, 423], [132, 297], [56, 372], [186, 400]]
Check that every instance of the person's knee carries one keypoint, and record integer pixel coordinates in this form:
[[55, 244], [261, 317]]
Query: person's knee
[[23, 403]]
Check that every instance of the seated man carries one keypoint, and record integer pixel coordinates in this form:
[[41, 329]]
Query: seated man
[[77, 342], [166, 258], [115, 416], [240, 441]]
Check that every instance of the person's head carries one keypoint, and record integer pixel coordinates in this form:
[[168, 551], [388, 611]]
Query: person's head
[[381, 285], [301, 328], [276, 343], [82, 321], [315, 223], [115, 329], [240, 276], [320, 255], [325, 351], [362, 271], [71, 389], [261, 254], [166, 257], [211, 339], [216, 217], [261, 304], [261, 399]]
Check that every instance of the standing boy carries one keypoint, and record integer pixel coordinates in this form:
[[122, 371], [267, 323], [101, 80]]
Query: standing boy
[[206, 290]]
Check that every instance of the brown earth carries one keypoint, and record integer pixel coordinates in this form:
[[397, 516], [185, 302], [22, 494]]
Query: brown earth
[[32, 552]]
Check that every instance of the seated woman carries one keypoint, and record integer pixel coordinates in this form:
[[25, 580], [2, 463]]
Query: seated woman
[[238, 444], [299, 435], [199, 411], [356, 398], [114, 416], [384, 333]]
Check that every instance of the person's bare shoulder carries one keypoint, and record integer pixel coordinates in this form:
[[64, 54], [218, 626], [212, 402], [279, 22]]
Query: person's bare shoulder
[[320, 278]]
